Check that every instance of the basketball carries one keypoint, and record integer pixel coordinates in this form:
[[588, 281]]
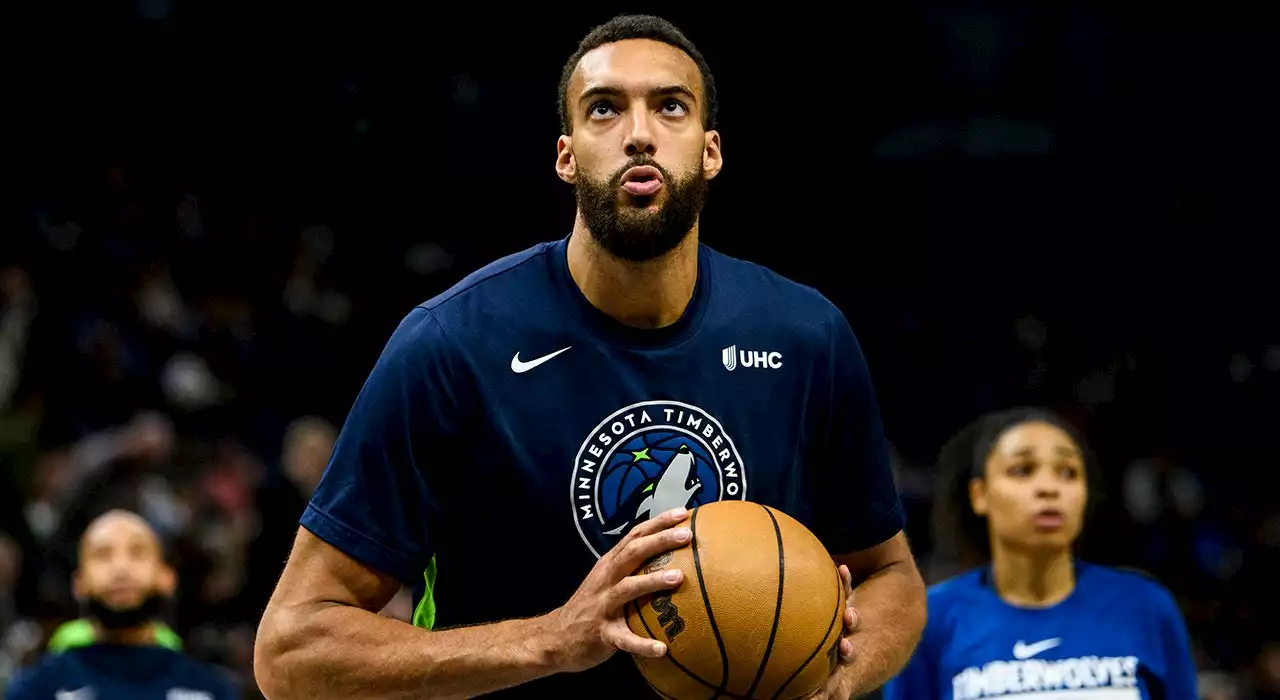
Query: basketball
[[758, 615]]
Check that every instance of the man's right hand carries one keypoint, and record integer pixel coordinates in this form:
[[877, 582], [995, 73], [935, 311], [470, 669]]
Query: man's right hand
[[593, 623]]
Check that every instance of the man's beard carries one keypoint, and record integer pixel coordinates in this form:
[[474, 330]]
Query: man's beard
[[634, 233], [113, 618]]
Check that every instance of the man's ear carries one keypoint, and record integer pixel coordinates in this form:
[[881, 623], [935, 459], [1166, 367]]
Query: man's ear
[[566, 166], [712, 157]]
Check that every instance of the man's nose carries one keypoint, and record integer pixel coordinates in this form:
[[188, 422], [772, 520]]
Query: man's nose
[[639, 135]]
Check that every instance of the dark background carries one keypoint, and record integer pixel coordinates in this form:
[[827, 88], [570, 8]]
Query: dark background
[[1012, 204]]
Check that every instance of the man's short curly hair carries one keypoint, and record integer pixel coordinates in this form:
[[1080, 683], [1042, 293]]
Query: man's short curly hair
[[625, 27]]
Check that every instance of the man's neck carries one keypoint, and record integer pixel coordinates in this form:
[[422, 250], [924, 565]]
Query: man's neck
[[142, 635], [651, 294], [1033, 579]]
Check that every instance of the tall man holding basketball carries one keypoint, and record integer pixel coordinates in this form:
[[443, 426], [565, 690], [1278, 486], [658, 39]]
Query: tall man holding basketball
[[532, 436]]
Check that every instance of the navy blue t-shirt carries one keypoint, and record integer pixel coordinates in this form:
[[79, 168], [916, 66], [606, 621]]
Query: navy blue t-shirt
[[121, 672], [1118, 636], [511, 433]]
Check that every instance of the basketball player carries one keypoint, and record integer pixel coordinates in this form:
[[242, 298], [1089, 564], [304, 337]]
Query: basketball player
[[533, 435], [1036, 622], [123, 652]]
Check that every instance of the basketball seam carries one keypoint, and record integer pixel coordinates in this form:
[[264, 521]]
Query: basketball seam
[[671, 657], [706, 602], [821, 644], [777, 612]]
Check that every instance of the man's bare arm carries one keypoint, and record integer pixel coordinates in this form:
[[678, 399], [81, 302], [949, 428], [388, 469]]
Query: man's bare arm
[[889, 596], [319, 637]]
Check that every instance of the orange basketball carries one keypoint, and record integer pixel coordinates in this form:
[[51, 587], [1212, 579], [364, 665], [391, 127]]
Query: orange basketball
[[758, 615]]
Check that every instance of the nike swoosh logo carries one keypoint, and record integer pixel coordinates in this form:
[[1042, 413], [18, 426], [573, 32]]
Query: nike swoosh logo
[[1025, 651], [521, 367]]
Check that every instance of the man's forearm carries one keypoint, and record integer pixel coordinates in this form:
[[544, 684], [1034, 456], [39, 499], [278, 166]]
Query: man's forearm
[[338, 651], [891, 610]]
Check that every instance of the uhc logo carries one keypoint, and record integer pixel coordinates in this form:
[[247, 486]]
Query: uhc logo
[[732, 358]]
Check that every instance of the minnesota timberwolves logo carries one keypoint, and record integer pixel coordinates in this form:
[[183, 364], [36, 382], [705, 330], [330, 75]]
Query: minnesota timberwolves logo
[[648, 458]]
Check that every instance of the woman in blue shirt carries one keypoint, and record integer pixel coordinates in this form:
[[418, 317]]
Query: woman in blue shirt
[[1034, 622]]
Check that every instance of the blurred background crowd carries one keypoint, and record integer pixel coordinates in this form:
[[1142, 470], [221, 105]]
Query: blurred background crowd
[[1028, 206]]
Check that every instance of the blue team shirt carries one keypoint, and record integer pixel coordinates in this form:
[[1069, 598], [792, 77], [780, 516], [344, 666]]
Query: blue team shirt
[[120, 672], [511, 433], [1117, 636]]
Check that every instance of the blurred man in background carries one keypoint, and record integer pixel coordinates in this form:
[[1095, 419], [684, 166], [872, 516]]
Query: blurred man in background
[[121, 650]]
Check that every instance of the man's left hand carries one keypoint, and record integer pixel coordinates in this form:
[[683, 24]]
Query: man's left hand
[[840, 684]]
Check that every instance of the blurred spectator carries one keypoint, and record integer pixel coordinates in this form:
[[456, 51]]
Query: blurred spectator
[[120, 649], [308, 443]]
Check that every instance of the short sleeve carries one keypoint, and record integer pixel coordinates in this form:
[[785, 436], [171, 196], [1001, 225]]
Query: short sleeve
[[856, 504], [1180, 667], [374, 501]]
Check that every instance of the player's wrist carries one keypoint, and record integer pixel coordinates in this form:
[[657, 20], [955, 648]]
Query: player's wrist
[[549, 644]]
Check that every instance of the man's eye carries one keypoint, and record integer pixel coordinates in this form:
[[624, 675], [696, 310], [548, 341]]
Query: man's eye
[[602, 109], [674, 108]]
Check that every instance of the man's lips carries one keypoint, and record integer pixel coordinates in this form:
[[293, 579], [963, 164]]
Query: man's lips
[[642, 181]]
